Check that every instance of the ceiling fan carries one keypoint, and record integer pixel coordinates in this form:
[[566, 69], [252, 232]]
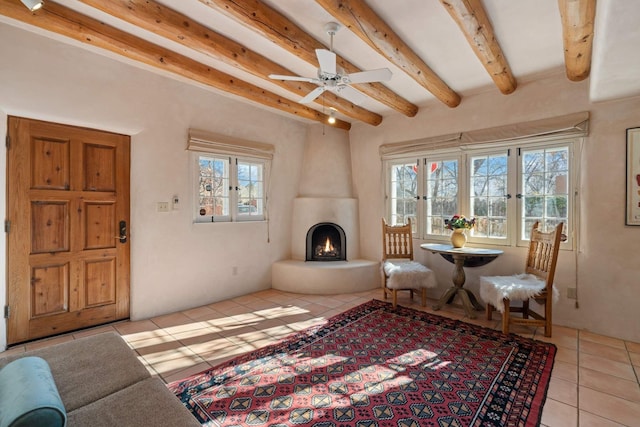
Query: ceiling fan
[[333, 78]]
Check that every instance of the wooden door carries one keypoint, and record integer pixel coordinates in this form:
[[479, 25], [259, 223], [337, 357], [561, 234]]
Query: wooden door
[[68, 220]]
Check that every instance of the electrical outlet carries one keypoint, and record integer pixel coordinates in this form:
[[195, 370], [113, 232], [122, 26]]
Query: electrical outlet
[[163, 206], [175, 203], [572, 293]]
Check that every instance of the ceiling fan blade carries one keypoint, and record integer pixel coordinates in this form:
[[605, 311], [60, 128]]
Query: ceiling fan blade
[[312, 95], [379, 75], [350, 94], [326, 61], [292, 78]]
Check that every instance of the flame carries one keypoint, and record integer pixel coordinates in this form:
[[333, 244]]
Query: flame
[[327, 246]]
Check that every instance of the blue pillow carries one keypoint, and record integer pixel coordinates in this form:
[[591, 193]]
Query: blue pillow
[[28, 395]]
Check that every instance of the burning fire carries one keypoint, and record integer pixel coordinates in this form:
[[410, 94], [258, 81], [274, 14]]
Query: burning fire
[[325, 250], [328, 247]]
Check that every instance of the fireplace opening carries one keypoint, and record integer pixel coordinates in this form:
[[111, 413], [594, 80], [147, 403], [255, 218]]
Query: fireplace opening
[[326, 242]]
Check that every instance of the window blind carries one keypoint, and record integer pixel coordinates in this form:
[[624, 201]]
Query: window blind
[[576, 124], [221, 144]]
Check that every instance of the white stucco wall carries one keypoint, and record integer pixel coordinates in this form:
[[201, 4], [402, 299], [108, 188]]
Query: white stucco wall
[[175, 264], [605, 268], [327, 164]]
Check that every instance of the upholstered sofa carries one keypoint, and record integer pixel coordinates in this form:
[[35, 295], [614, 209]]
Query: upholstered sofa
[[102, 383]]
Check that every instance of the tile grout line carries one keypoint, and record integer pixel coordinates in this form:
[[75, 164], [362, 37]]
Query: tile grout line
[[635, 371], [578, 377]]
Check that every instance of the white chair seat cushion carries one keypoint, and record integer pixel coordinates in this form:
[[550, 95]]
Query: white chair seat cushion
[[519, 287], [408, 275]]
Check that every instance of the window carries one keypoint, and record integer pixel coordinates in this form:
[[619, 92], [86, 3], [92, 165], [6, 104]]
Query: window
[[250, 189], [544, 192], [404, 192], [213, 186], [441, 200], [506, 189], [488, 198], [230, 178], [230, 189]]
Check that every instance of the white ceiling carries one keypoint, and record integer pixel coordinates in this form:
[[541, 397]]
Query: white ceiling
[[529, 33]]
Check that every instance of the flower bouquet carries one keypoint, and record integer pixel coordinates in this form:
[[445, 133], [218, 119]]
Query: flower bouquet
[[459, 221]]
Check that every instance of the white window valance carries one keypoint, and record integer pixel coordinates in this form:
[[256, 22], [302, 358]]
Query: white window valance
[[221, 144], [571, 125]]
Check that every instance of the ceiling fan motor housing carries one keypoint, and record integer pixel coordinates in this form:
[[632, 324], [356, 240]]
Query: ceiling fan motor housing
[[332, 27], [333, 79]]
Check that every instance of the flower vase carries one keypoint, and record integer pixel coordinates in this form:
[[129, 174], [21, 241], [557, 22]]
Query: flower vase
[[458, 238]]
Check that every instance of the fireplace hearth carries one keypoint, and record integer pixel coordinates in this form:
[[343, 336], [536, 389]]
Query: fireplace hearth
[[326, 241]]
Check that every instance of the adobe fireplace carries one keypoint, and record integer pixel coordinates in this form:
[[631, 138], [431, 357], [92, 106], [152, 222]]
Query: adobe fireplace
[[325, 209], [326, 241]]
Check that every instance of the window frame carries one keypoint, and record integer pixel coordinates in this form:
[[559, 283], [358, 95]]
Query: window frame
[[510, 208], [514, 185], [573, 146], [234, 214], [388, 190], [446, 155]]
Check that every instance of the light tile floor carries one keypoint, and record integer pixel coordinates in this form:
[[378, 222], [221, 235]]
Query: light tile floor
[[595, 380]]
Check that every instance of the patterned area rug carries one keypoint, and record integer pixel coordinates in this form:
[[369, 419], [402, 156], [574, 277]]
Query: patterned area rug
[[376, 366]]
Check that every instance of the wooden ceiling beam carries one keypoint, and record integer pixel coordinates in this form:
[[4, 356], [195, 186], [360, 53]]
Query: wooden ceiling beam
[[154, 17], [366, 24], [476, 26], [280, 30], [62, 20], [578, 18]]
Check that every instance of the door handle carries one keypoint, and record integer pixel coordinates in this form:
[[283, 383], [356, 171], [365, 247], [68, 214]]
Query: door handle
[[123, 232]]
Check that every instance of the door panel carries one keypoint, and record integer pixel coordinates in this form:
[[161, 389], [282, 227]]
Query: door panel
[[49, 226], [100, 225], [68, 191], [50, 290], [98, 282], [50, 164], [99, 168]]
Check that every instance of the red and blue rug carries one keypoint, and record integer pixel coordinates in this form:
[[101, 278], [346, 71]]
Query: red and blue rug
[[373, 366]]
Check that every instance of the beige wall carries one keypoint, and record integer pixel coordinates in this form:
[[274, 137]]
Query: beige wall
[[606, 266]]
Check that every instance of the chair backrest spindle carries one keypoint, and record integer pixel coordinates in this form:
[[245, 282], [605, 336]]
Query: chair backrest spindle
[[543, 253], [397, 241]]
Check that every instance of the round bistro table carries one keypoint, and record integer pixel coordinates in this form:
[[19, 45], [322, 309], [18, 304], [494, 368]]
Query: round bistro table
[[462, 257]]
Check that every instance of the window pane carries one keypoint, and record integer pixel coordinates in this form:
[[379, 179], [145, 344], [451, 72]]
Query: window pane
[[213, 188], [488, 181], [442, 194], [250, 188], [404, 190], [545, 188]]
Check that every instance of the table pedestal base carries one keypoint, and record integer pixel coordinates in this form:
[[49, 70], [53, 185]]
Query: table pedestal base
[[469, 301], [471, 257]]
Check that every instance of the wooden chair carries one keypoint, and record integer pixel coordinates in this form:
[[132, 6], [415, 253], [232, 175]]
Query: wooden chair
[[400, 272], [536, 283]]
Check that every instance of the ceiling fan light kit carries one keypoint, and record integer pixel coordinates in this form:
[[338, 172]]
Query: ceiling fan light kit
[[332, 115], [332, 78]]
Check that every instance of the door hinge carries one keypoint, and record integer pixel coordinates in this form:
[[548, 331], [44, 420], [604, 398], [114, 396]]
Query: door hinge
[[8, 141], [7, 225], [7, 311]]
